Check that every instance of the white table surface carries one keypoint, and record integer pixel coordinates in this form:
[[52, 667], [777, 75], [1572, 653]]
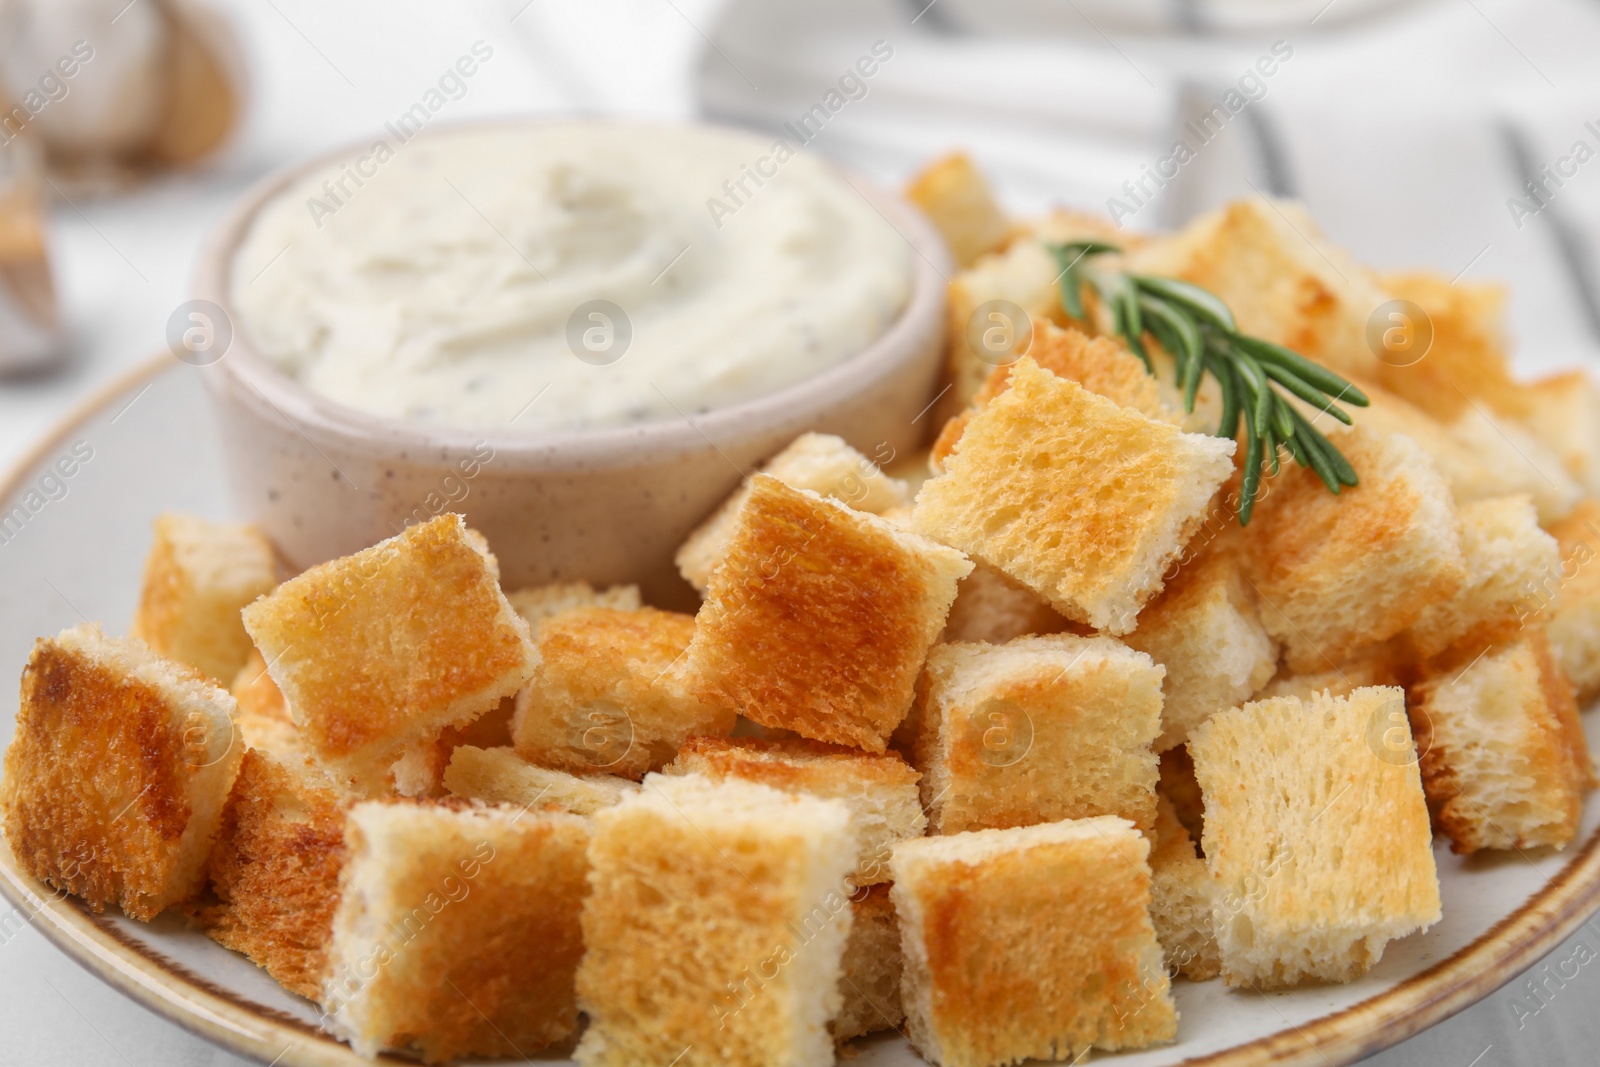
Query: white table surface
[[322, 76]]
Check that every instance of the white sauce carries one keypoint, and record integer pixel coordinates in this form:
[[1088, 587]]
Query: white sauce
[[441, 287]]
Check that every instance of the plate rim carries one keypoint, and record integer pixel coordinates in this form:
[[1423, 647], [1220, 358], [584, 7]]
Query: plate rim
[[215, 1013]]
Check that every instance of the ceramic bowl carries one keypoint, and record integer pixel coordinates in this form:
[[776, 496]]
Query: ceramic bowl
[[607, 505]]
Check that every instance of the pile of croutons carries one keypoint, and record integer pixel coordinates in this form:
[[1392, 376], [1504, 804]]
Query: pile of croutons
[[990, 759]]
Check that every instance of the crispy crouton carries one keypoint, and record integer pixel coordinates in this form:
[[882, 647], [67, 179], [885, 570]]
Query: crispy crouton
[[1023, 275], [500, 776], [1466, 360], [880, 791], [1036, 730], [1081, 500], [276, 868], [1565, 415], [261, 714], [819, 462], [869, 982], [1504, 759], [1316, 836], [380, 651], [819, 618], [1506, 553], [957, 200], [457, 932], [1180, 899], [1379, 665], [540, 602], [1575, 621], [1178, 785], [1338, 573], [992, 608], [715, 927], [1283, 280], [1205, 629], [117, 773], [608, 697], [198, 576], [1030, 943]]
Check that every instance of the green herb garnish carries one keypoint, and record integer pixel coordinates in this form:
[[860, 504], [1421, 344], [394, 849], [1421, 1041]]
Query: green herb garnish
[[1197, 330]]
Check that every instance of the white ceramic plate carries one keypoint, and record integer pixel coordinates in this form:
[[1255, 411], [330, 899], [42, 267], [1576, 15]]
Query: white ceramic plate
[[78, 554]]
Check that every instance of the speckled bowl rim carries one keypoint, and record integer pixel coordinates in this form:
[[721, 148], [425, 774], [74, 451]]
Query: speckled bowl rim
[[250, 375]]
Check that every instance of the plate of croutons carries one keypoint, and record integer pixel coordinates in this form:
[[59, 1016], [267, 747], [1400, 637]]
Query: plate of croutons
[[1209, 692]]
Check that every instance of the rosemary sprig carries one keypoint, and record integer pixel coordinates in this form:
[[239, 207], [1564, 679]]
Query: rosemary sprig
[[1198, 331]]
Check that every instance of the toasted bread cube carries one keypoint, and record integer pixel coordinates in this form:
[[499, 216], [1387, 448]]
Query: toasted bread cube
[[1506, 553], [716, 926], [117, 773], [1177, 785], [1283, 281], [1037, 730], [1504, 758], [197, 578], [819, 618], [1023, 275], [609, 696], [869, 982], [958, 202], [822, 463], [260, 711], [1508, 459], [540, 602], [1206, 630], [1565, 416], [1181, 899], [378, 652], [1316, 836], [1575, 621], [500, 776], [1081, 500], [457, 932], [880, 791], [1052, 922], [1378, 666], [276, 868], [993, 608], [1337, 574], [1467, 358]]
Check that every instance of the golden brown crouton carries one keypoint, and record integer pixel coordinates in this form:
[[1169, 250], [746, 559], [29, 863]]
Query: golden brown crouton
[[1384, 664], [1565, 415], [1181, 899], [261, 714], [992, 608], [1036, 730], [1504, 758], [198, 576], [276, 868], [457, 932], [1338, 573], [957, 200], [1081, 500], [117, 773], [1575, 591], [880, 791], [869, 982], [1316, 836], [380, 651], [819, 617], [822, 463], [540, 602], [609, 696], [1030, 943], [500, 776], [716, 926], [1178, 785], [1466, 360], [1024, 276]]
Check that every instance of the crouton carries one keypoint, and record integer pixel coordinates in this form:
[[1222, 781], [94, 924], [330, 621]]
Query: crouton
[[1508, 459], [869, 979], [380, 651], [1180, 899], [880, 791], [1504, 759], [198, 576], [957, 200], [276, 868], [1506, 553], [1466, 360], [715, 927], [1205, 629], [117, 773], [819, 462], [1575, 589], [1316, 836], [492, 729], [1377, 666], [457, 932], [819, 618], [1024, 275], [1283, 281], [500, 776], [538, 603], [1030, 943], [992, 608], [1081, 500], [1037, 730], [608, 696], [1565, 416], [260, 712], [1177, 784], [1338, 573]]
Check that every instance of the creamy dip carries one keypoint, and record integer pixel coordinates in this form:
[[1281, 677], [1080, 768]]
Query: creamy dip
[[453, 278]]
